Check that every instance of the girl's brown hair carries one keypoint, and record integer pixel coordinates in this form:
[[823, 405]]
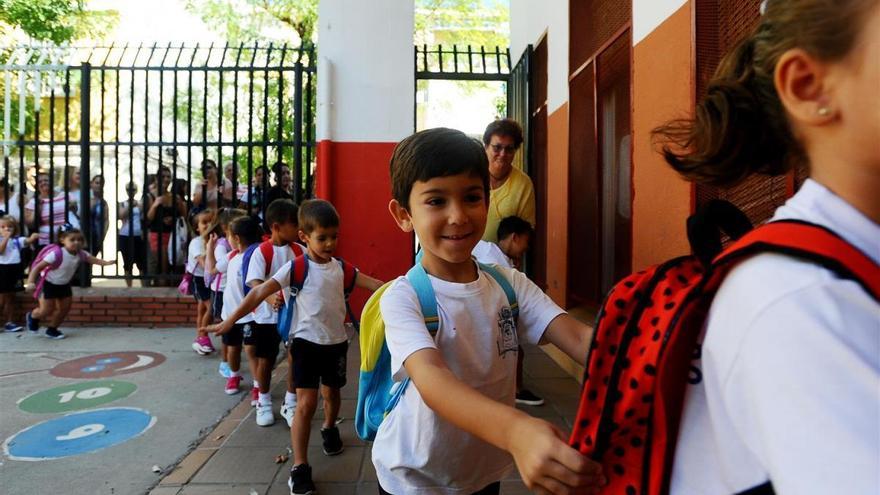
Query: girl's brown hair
[[11, 219], [210, 215], [224, 217], [740, 127]]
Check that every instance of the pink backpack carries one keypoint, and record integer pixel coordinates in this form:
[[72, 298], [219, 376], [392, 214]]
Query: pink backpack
[[59, 257]]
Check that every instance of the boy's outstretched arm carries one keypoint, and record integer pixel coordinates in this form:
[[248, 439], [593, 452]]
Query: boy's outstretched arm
[[367, 282], [570, 336], [547, 464], [250, 301]]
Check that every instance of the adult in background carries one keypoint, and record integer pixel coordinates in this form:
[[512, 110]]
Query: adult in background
[[100, 216], [511, 194], [511, 191], [162, 210], [209, 193], [281, 189], [52, 210], [131, 234]]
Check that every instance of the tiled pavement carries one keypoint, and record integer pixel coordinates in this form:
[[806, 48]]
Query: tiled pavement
[[238, 457]]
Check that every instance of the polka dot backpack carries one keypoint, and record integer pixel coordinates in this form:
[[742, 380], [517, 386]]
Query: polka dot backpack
[[639, 362]]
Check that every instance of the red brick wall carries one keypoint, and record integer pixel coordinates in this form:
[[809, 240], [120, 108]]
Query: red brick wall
[[118, 307]]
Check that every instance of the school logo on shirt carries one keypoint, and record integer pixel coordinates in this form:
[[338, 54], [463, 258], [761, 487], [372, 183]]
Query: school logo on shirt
[[507, 341]]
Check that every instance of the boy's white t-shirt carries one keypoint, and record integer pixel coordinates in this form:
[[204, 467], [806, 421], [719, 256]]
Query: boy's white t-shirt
[[265, 314], [12, 254], [196, 249], [489, 253], [65, 271], [221, 260], [234, 293], [790, 373], [416, 451], [320, 305]]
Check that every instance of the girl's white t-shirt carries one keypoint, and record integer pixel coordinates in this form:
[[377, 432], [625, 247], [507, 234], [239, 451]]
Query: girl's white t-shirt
[[12, 254], [196, 249], [234, 292], [320, 305], [66, 270], [418, 452], [788, 373], [221, 259]]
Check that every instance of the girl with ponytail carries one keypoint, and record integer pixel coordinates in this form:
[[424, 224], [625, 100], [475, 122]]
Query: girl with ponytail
[[785, 389]]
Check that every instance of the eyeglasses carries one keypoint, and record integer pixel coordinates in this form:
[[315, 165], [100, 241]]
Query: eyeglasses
[[498, 148]]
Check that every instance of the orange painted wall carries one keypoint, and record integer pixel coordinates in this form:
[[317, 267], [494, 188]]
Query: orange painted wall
[[663, 86], [355, 178], [557, 204]]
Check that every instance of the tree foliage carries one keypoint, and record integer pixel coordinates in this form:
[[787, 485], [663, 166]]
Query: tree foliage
[[56, 21], [246, 21], [462, 22]]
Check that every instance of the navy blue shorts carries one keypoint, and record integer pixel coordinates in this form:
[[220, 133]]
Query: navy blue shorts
[[200, 292]]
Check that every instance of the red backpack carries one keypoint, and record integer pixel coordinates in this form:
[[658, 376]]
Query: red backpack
[[646, 334]]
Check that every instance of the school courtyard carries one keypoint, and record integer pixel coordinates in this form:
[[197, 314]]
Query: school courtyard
[[116, 410]]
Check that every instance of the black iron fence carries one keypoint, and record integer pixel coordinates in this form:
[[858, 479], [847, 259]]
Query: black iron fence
[[95, 136]]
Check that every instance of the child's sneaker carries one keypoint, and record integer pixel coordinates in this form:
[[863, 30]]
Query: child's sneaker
[[288, 411], [12, 327], [232, 384], [33, 324], [255, 396], [300, 481], [54, 333], [265, 416], [202, 345], [224, 370], [332, 442], [527, 398]]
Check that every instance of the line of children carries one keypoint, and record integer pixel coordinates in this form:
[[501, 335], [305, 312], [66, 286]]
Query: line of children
[[196, 266], [55, 294], [11, 269], [216, 259]]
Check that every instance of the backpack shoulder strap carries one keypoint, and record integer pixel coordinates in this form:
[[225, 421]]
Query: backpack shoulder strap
[[297, 249], [16, 242], [349, 276], [245, 261], [808, 241], [268, 253], [418, 277], [493, 271], [232, 254], [299, 270]]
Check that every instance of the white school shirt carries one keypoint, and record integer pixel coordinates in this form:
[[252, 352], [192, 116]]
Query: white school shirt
[[196, 249], [129, 227], [234, 293], [66, 270], [790, 368], [320, 305], [12, 254], [418, 452], [265, 314], [221, 259], [489, 253]]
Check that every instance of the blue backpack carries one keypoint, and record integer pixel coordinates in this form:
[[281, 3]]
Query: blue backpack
[[377, 392]]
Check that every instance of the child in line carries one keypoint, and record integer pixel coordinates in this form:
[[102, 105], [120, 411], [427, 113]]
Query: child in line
[[201, 293], [789, 399], [11, 270], [55, 295], [216, 259], [319, 343], [449, 432], [243, 232], [514, 235]]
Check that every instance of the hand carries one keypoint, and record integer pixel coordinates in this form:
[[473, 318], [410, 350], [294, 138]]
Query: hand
[[276, 301], [217, 328], [29, 286], [212, 240], [33, 238], [106, 262], [546, 462]]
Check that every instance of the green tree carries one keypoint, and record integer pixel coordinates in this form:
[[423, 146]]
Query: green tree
[[462, 22], [259, 20], [56, 21]]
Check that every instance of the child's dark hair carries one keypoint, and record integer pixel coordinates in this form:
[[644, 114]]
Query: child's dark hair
[[431, 153], [740, 127], [513, 225], [277, 167], [68, 230], [224, 217], [504, 127], [282, 211], [316, 213], [247, 229]]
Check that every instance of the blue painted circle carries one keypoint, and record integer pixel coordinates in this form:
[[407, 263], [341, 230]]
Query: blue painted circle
[[77, 433]]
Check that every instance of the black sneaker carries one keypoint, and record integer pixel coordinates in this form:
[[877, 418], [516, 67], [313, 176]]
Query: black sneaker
[[33, 324], [527, 398], [332, 442], [54, 333], [300, 481]]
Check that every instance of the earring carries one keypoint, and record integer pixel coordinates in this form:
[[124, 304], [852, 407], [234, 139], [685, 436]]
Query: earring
[[823, 111]]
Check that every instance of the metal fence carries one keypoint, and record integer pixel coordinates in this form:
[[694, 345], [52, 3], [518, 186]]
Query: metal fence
[[133, 114]]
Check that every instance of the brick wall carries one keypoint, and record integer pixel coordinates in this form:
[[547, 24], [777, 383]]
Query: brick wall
[[123, 307]]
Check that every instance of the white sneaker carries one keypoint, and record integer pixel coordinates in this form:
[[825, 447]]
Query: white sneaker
[[265, 416], [288, 411]]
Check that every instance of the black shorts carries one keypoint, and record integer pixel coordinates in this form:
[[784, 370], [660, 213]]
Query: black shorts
[[52, 291], [264, 337], [234, 337], [10, 278], [315, 364], [200, 292], [216, 304]]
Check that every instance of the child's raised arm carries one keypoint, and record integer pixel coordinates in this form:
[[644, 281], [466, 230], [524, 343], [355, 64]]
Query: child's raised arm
[[210, 259], [545, 461], [251, 301], [367, 282]]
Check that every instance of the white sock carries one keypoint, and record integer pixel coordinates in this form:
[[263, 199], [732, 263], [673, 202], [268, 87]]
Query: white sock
[[256, 385], [265, 399], [234, 374], [290, 399]]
